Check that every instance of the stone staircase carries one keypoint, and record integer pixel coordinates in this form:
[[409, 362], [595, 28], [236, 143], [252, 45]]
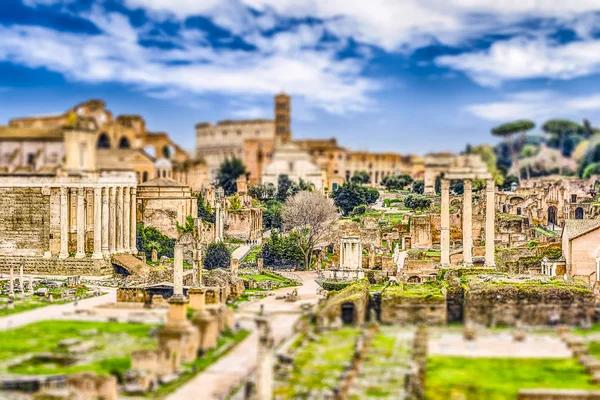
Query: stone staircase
[[131, 263], [36, 265]]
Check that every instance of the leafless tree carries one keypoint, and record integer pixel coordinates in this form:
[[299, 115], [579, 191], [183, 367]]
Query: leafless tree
[[311, 215]]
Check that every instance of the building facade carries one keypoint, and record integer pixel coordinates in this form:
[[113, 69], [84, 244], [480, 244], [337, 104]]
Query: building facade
[[59, 205], [123, 139]]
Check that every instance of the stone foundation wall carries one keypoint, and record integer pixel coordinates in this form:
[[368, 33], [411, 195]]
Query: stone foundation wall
[[506, 305], [54, 266], [409, 310], [24, 221]]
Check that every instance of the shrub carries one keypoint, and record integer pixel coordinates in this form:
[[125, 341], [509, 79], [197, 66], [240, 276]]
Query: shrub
[[359, 210], [334, 285], [217, 256], [149, 238]]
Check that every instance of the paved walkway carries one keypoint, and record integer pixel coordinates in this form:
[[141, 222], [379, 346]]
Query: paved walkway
[[228, 372], [56, 311], [241, 252], [499, 344]]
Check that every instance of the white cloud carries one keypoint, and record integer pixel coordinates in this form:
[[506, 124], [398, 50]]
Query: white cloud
[[286, 61], [252, 112], [538, 105], [390, 24], [525, 58]]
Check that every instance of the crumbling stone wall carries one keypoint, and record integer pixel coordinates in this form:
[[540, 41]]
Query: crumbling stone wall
[[244, 224], [401, 306], [528, 302], [420, 231], [24, 221], [54, 266], [330, 313]]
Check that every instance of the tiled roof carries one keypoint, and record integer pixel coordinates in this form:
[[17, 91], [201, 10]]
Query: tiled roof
[[577, 227], [163, 182]]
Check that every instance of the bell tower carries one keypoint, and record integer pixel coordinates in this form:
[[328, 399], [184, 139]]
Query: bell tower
[[283, 131]]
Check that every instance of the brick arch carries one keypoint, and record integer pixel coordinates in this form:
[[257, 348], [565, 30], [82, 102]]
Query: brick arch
[[103, 141]]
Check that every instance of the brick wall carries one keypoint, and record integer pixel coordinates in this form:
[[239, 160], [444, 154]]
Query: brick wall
[[24, 221]]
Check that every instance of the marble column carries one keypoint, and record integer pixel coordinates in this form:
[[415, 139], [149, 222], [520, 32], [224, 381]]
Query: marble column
[[178, 271], [64, 223], [119, 219], [11, 287], [105, 223], [21, 281], [80, 223], [126, 222], [265, 362], [113, 220], [133, 222], [97, 223], [468, 223], [490, 217], [445, 223]]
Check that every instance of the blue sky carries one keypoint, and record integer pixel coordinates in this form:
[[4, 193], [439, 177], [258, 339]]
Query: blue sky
[[410, 76]]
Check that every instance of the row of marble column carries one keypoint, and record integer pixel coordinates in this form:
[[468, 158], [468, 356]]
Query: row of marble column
[[467, 228], [114, 221]]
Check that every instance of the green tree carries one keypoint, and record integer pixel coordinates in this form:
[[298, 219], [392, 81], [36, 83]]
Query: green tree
[[285, 188], [560, 129], [396, 182], [188, 226], [282, 251], [418, 186], [351, 195], [217, 256], [361, 177], [272, 215], [508, 182], [234, 203], [528, 152], [263, 192], [508, 130], [204, 210], [229, 171], [149, 238], [417, 202], [311, 215]]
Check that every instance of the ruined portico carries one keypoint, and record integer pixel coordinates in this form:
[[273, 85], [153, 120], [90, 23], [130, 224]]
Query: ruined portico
[[467, 168]]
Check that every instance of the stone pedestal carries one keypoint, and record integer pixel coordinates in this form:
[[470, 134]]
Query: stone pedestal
[[178, 336], [234, 266], [259, 265], [207, 325], [197, 298]]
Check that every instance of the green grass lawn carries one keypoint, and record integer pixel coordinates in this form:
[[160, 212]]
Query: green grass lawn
[[499, 378], [253, 254], [115, 342], [319, 364]]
